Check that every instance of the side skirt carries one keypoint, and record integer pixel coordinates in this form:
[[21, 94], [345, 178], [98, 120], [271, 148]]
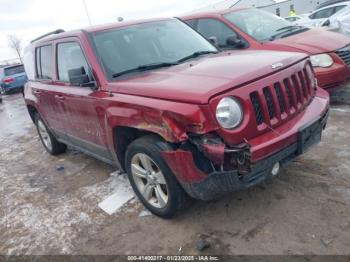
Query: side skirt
[[87, 148]]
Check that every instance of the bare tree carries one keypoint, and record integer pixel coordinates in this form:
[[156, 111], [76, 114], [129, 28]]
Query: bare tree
[[16, 44]]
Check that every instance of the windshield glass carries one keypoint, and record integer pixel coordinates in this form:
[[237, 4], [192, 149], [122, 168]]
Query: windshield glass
[[259, 24], [166, 41], [14, 70]]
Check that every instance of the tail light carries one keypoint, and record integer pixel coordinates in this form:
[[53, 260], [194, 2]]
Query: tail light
[[8, 80]]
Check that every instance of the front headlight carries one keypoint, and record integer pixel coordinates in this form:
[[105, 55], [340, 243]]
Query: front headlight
[[229, 113], [322, 60]]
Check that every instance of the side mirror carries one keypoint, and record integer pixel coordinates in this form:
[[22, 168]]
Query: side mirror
[[78, 77], [235, 42], [327, 23], [213, 40]]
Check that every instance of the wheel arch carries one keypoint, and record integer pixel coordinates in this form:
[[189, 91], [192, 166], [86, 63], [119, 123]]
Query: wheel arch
[[32, 111], [123, 136]]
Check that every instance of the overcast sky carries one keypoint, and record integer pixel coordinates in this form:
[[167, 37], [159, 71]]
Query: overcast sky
[[29, 19]]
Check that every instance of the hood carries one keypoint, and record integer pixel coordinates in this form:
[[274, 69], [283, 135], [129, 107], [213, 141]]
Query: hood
[[314, 41], [198, 80]]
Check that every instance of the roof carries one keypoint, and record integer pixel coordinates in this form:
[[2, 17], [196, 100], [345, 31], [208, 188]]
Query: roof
[[97, 28], [9, 66], [217, 12]]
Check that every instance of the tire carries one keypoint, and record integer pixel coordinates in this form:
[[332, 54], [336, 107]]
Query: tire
[[50, 143], [150, 147]]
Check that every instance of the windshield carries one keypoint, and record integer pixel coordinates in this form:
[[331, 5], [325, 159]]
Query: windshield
[[14, 70], [149, 43], [259, 24]]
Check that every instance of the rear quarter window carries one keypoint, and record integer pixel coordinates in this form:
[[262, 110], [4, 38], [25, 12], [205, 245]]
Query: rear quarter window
[[29, 63]]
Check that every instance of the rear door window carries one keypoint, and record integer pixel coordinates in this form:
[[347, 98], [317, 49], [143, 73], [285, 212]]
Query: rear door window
[[43, 62], [70, 56]]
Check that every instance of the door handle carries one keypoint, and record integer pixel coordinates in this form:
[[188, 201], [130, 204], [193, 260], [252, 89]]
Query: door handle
[[60, 97], [37, 93]]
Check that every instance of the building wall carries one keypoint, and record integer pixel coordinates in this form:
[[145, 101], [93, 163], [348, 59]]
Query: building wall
[[300, 6], [253, 3]]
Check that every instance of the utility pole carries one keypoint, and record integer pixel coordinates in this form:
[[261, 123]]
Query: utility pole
[[87, 12]]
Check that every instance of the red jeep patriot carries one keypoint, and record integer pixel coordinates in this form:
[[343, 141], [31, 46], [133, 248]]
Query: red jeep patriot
[[254, 29], [157, 100]]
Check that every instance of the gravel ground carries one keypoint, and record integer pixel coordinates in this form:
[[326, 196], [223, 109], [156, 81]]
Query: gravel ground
[[305, 210]]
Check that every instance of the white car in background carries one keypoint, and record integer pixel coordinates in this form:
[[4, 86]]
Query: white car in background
[[339, 24], [294, 19], [323, 16]]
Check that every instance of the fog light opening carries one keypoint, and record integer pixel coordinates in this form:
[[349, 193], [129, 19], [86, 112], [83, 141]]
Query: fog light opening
[[276, 169]]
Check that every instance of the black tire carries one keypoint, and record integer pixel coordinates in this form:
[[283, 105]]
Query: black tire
[[152, 146], [56, 147]]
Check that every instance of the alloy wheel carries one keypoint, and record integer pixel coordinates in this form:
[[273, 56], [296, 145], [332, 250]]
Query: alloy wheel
[[44, 134], [149, 180]]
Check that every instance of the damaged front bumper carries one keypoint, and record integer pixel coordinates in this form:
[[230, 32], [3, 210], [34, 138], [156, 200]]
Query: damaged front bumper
[[208, 181]]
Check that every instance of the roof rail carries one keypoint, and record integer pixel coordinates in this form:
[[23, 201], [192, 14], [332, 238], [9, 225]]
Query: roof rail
[[58, 31]]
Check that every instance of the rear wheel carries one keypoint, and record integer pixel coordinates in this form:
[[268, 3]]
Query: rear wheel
[[151, 178], [48, 140]]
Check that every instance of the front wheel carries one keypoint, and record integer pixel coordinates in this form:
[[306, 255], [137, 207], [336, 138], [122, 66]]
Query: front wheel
[[48, 140], [151, 178]]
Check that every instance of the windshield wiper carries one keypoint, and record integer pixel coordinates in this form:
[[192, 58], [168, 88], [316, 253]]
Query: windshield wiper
[[144, 68], [288, 27], [288, 32], [196, 54]]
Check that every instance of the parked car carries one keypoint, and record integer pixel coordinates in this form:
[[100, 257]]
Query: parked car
[[320, 17], [330, 2], [339, 24], [12, 78], [156, 99], [293, 19], [254, 29]]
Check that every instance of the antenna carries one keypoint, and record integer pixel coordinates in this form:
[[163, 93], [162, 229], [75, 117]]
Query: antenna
[[87, 12]]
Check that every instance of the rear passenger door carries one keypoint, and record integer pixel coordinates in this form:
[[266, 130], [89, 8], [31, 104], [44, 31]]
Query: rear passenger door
[[43, 88], [84, 114]]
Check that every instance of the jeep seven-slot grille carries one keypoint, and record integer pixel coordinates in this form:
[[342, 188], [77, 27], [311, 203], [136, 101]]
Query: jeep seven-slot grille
[[282, 98], [278, 91], [269, 102], [344, 54], [257, 108]]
